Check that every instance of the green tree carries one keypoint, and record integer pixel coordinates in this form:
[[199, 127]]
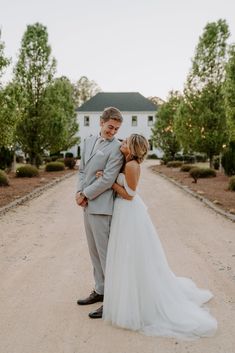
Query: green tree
[[58, 117], [4, 61], [164, 135], [34, 71], [9, 114], [229, 91], [201, 122], [5, 123], [84, 89]]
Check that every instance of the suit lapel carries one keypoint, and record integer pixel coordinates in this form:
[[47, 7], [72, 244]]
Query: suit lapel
[[90, 148], [103, 145]]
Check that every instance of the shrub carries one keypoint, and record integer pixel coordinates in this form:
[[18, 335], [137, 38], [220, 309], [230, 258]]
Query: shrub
[[186, 167], [231, 185], [47, 160], [152, 156], [19, 159], [70, 162], [179, 157], [200, 157], [174, 164], [4, 181], [61, 160], [56, 156], [216, 162], [6, 158], [189, 158], [228, 160], [68, 155], [27, 171], [54, 167], [197, 173], [165, 159]]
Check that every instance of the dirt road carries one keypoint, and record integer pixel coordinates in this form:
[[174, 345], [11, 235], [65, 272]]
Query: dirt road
[[45, 267]]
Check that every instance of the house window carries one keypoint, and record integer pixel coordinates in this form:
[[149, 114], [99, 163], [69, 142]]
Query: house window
[[86, 120], [134, 120], [150, 120], [150, 145]]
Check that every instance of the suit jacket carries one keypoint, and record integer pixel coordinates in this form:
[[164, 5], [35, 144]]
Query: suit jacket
[[107, 158]]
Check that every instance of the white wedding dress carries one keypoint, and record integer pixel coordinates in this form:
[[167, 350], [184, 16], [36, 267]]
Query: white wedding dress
[[141, 291]]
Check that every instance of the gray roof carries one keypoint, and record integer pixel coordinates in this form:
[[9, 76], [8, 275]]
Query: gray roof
[[124, 101]]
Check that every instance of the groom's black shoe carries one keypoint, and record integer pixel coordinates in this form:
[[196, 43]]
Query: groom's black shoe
[[97, 314], [93, 298]]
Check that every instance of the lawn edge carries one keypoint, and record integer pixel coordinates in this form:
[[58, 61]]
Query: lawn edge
[[33, 194], [207, 202]]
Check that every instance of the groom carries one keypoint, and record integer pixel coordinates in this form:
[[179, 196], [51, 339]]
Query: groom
[[95, 195]]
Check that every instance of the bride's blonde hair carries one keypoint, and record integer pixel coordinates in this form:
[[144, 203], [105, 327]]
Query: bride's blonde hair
[[138, 146]]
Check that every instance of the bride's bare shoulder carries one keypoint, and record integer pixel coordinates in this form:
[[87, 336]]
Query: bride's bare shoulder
[[132, 165], [132, 173]]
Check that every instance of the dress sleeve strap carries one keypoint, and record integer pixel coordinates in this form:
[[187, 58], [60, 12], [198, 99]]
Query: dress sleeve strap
[[128, 189]]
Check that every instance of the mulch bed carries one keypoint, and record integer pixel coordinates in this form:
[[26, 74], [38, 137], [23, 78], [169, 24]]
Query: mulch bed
[[22, 186], [214, 189]]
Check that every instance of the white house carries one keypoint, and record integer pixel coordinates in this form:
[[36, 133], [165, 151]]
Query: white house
[[138, 113]]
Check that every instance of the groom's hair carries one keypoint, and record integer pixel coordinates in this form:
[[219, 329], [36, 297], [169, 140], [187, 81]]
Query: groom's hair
[[111, 113]]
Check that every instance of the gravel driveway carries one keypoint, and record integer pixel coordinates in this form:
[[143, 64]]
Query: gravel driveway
[[45, 267]]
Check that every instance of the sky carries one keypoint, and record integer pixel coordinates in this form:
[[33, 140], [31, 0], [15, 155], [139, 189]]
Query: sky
[[141, 46]]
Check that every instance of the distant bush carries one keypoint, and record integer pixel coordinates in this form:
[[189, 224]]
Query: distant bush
[[179, 157], [200, 157], [4, 181], [231, 185], [47, 160], [197, 173], [27, 171], [228, 160], [186, 167], [56, 156], [6, 158], [174, 164], [61, 160], [54, 166], [68, 155], [152, 156], [189, 158], [216, 162], [165, 159], [19, 159], [70, 162]]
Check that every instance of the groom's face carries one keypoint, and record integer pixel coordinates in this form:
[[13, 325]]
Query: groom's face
[[109, 128]]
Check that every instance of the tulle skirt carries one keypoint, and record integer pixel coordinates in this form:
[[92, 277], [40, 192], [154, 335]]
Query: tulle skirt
[[141, 291]]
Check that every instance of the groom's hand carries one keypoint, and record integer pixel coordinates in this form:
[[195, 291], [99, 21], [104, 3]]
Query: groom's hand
[[81, 200]]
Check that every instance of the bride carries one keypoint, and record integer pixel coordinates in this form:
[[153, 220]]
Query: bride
[[141, 291]]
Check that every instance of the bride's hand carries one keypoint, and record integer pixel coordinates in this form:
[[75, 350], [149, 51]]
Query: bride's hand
[[99, 174], [114, 186]]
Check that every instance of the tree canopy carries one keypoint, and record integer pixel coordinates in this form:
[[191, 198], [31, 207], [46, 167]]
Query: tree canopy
[[201, 123], [84, 89], [47, 106], [164, 135]]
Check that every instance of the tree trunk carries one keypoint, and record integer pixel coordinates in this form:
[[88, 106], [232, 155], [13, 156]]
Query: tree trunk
[[211, 161], [14, 162]]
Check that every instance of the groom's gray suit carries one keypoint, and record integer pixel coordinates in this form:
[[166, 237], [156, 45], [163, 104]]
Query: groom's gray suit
[[98, 213]]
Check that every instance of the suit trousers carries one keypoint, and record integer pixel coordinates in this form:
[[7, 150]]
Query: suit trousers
[[97, 231]]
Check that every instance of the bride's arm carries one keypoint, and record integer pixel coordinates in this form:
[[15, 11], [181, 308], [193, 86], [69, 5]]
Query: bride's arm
[[121, 191], [117, 188], [132, 173]]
